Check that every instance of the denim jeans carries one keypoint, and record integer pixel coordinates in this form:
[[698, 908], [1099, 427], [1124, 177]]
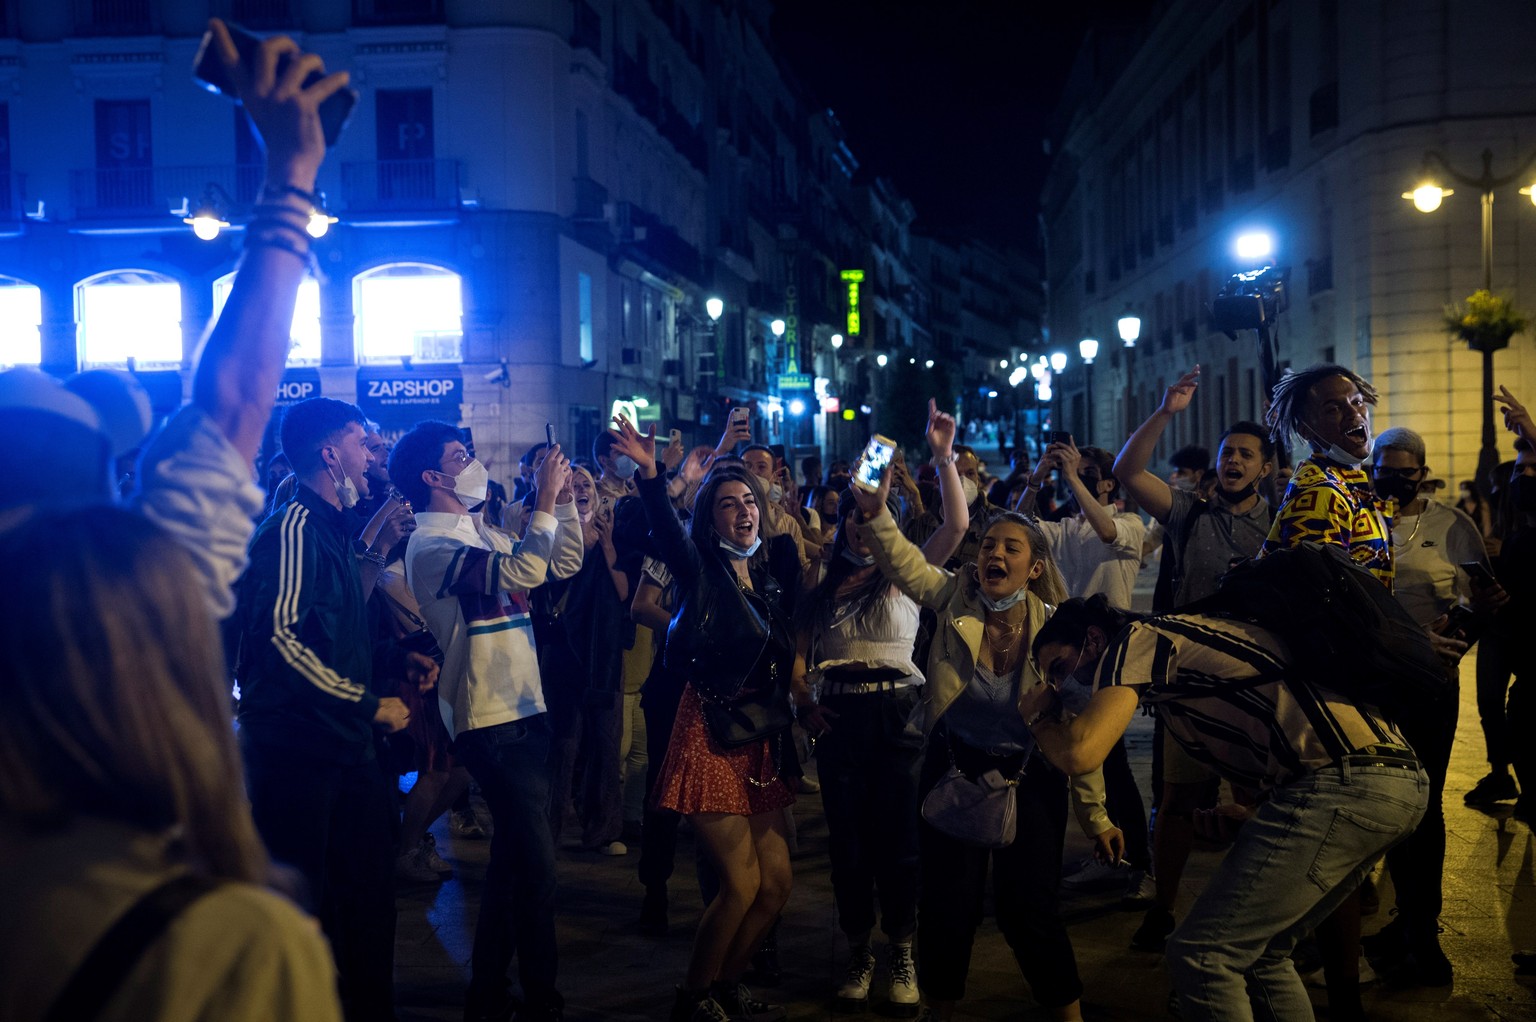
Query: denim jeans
[[510, 762], [1294, 861], [868, 766]]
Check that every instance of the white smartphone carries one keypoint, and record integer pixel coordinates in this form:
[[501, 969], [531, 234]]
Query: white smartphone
[[873, 463], [739, 416]]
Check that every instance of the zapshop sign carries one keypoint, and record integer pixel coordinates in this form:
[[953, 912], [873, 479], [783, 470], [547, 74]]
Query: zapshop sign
[[405, 396]]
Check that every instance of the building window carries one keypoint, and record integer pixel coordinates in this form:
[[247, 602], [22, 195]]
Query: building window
[[21, 317], [303, 335], [403, 127], [129, 315], [409, 311], [124, 157], [584, 314]]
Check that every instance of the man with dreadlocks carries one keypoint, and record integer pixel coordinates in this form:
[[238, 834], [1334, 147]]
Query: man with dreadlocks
[[1330, 499]]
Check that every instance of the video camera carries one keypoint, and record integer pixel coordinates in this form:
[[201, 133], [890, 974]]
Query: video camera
[[1251, 300]]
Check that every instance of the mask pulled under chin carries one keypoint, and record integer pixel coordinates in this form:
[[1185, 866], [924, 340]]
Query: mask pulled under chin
[[1003, 603], [863, 561], [739, 552], [346, 491], [1240, 495]]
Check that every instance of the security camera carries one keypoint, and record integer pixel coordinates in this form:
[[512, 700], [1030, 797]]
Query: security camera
[[500, 375]]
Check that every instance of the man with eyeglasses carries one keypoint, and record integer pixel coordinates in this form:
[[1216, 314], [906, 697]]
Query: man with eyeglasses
[[1429, 543]]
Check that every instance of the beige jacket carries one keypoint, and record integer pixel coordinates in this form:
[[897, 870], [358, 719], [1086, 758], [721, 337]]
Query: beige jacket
[[957, 644]]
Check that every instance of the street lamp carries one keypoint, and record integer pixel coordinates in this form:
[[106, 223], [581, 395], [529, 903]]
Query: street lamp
[[1129, 327], [715, 308], [881, 360], [1088, 348], [1426, 198], [777, 326], [837, 341], [1058, 361]]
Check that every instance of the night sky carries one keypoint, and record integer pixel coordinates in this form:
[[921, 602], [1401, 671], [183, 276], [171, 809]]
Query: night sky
[[951, 99]]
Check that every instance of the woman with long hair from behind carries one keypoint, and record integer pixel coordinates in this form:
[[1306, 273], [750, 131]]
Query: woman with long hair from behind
[[118, 776]]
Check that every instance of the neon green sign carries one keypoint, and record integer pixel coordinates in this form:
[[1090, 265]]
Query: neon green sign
[[853, 278]]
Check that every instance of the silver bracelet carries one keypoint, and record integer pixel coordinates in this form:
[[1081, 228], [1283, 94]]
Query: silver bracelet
[[946, 461]]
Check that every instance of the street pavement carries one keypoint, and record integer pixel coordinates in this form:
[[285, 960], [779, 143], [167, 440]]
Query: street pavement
[[609, 971]]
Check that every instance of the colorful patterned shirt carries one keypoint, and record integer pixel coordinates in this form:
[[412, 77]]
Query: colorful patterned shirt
[[1333, 505]]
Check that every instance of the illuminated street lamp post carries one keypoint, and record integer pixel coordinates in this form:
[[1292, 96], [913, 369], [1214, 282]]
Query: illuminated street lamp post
[[1128, 326], [1426, 198], [1088, 348]]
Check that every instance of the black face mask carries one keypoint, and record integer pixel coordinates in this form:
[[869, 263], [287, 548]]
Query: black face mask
[[1522, 494], [1397, 488], [1239, 496]]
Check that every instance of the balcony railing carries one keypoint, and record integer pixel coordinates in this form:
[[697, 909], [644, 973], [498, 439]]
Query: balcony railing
[[105, 192], [397, 12], [263, 15], [114, 17], [393, 185]]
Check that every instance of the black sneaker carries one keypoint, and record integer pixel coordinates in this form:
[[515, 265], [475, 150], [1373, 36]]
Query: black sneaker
[[1494, 787], [765, 970], [1152, 934], [1387, 945], [1425, 964], [697, 1006], [740, 1006]]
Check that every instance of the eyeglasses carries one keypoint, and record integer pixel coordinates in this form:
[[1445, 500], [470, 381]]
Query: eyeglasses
[[459, 458]]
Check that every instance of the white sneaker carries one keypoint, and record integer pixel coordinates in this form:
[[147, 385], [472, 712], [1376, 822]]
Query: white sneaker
[[904, 995], [612, 848], [1140, 889], [1095, 875], [861, 972], [410, 869], [426, 854]]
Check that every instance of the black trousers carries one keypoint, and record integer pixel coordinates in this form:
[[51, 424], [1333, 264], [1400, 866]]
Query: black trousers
[[337, 826], [658, 838], [1418, 861], [1493, 668], [1025, 878], [868, 765], [1522, 723]]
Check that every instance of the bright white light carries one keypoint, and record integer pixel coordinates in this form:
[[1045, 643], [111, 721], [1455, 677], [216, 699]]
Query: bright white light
[[1038, 370], [1058, 361], [1253, 247], [130, 315], [991, 393], [206, 225], [1043, 390], [319, 223], [928, 364], [304, 334], [797, 407], [865, 409], [837, 341], [912, 361], [880, 360], [409, 309], [1529, 191], [777, 326], [640, 402], [715, 308], [21, 314], [1018, 376], [1428, 196], [1129, 326], [1002, 363], [1089, 349]]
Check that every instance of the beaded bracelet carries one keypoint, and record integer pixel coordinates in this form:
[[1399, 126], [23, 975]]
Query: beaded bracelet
[[269, 223], [946, 461], [278, 191], [275, 241]]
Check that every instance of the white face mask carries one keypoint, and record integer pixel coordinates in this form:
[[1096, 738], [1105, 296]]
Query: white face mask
[[1333, 452], [346, 490], [968, 488], [471, 484], [740, 552], [863, 561], [775, 493], [625, 467], [1002, 603]]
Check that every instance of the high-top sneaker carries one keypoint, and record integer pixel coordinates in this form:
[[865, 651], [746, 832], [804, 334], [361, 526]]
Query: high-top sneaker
[[904, 996], [740, 1006], [853, 995]]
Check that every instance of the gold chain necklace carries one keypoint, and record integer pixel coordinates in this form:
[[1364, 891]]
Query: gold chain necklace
[[1418, 520]]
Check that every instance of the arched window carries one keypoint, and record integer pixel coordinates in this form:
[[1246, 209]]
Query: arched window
[[21, 316], [304, 334], [409, 311], [129, 314]]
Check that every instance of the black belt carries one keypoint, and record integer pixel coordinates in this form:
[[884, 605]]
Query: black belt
[[861, 688], [1383, 756]]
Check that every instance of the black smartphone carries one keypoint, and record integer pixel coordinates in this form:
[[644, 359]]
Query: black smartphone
[[549, 433], [1479, 573], [1057, 436], [208, 71], [1463, 624]]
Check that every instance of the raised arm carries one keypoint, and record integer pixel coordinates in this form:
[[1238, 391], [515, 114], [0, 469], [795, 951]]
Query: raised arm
[[899, 560], [676, 550], [946, 539], [242, 361], [1098, 515], [1152, 493]]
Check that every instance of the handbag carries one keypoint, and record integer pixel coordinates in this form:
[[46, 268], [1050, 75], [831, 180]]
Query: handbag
[[752, 715], [982, 812]]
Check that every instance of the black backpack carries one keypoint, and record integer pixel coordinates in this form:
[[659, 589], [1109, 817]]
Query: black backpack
[[1345, 629]]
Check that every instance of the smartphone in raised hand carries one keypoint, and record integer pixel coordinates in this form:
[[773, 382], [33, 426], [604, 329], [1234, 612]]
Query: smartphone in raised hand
[[873, 463], [209, 72]]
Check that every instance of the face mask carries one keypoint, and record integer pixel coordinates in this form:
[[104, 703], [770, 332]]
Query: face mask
[[1240, 495], [1184, 483], [853, 558], [1397, 488], [740, 552], [1334, 452], [1522, 493], [470, 485], [1002, 603], [775, 493], [624, 467], [346, 490], [968, 488]]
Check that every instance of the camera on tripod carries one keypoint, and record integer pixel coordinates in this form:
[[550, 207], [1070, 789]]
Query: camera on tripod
[[1251, 300]]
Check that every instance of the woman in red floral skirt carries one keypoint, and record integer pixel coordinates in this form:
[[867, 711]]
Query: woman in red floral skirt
[[732, 795]]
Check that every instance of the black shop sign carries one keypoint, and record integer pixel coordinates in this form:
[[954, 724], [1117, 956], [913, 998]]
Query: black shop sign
[[404, 397]]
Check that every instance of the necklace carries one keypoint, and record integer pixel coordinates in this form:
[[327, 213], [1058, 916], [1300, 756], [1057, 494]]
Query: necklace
[[1004, 651], [1418, 520]]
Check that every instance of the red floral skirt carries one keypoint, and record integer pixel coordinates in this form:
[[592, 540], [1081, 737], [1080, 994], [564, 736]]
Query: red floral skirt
[[701, 776]]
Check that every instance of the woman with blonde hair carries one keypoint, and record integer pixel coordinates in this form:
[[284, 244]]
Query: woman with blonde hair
[[133, 876], [980, 674]]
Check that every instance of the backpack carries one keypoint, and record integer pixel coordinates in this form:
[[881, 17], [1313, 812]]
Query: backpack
[[1345, 629]]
